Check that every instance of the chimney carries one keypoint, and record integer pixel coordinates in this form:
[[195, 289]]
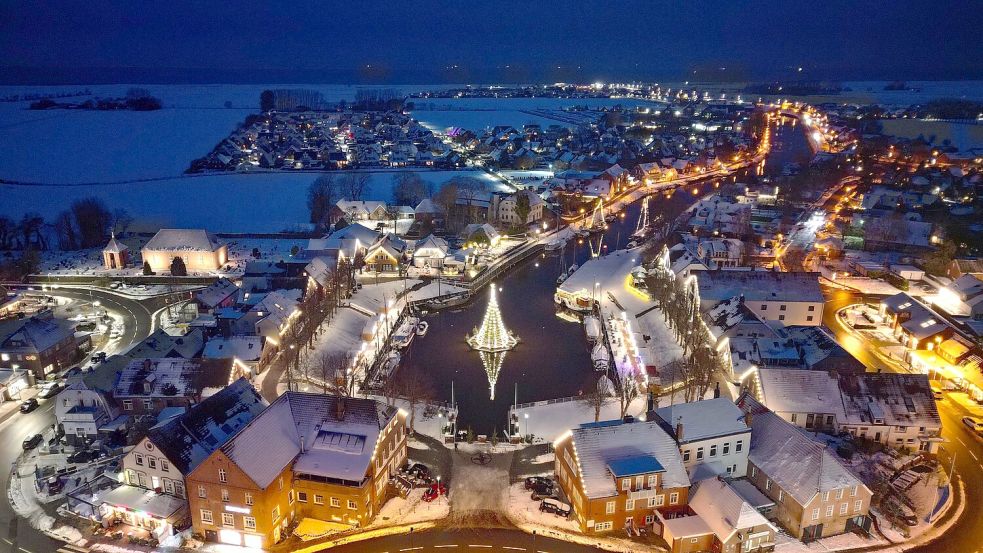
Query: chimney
[[679, 429], [340, 408], [747, 418], [650, 412], [302, 444]]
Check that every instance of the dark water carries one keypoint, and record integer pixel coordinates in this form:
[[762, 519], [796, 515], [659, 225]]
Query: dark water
[[552, 358], [789, 145]]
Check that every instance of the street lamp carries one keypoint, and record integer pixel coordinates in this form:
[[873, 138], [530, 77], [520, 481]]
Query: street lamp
[[526, 416]]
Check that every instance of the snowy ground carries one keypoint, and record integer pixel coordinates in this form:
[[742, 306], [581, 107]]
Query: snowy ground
[[412, 510], [254, 202], [547, 421]]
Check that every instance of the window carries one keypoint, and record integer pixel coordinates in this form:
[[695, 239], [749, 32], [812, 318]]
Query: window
[[609, 508], [152, 462], [781, 317], [639, 482], [629, 504], [225, 495], [739, 445], [812, 308], [127, 404], [829, 510], [352, 504], [764, 307], [201, 492], [651, 503], [206, 516], [699, 453], [809, 318], [249, 498], [754, 471], [726, 448], [276, 514], [653, 480], [148, 405], [602, 526], [660, 500], [781, 495], [249, 523], [649, 519], [782, 307], [815, 514], [713, 450], [795, 417], [853, 492], [290, 497], [281, 483], [139, 459], [302, 497], [335, 502], [168, 486], [768, 484], [222, 476], [857, 506], [686, 456], [826, 496], [673, 498], [318, 499], [626, 484], [844, 508], [228, 519], [164, 466], [839, 493]]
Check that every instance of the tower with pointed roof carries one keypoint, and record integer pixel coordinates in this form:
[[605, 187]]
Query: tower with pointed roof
[[116, 255]]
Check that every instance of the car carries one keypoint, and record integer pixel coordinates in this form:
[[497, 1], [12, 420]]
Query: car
[[99, 356], [555, 506], [114, 285], [434, 491], [974, 424], [540, 485], [29, 405], [33, 441], [83, 456], [421, 472], [50, 389]]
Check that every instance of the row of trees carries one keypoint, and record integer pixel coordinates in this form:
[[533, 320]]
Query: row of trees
[[459, 198], [679, 301]]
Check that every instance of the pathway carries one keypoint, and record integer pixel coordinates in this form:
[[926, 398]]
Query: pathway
[[479, 493]]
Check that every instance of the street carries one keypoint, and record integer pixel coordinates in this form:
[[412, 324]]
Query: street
[[16, 535], [462, 541]]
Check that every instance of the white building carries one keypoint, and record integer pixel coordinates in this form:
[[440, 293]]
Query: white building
[[712, 436], [199, 249], [792, 299]]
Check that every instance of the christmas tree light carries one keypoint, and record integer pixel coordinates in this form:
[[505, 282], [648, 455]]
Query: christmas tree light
[[491, 340]]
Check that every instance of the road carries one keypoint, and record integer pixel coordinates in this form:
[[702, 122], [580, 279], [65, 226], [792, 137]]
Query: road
[[967, 533], [463, 541], [16, 535]]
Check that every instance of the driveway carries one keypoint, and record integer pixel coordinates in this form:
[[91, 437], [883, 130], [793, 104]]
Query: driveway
[[479, 493]]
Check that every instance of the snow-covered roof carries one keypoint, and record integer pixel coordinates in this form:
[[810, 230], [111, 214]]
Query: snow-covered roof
[[896, 399], [188, 439], [598, 446], [332, 448], [426, 205], [759, 286], [800, 391], [34, 333], [115, 246], [723, 509], [430, 246], [166, 377], [162, 344], [702, 420], [216, 293], [159, 505], [320, 269], [194, 240], [797, 464], [243, 348], [362, 233]]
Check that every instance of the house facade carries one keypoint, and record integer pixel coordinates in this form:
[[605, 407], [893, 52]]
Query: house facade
[[711, 434], [200, 250], [40, 344], [305, 456], [618, 474]]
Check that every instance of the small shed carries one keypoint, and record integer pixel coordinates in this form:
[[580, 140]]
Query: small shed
[[116, 255]]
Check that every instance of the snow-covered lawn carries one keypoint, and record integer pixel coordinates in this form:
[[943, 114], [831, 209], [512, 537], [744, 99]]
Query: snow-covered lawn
[[547, 421], [398, 511], [257, 202]]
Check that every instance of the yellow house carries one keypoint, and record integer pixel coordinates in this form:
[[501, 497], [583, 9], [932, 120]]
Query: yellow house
[[200, 250]]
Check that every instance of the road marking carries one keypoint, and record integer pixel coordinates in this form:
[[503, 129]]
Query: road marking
[[974, 456], [477, 545], [25, 550], [448, 545], [411, 548], [514, 548], [8, 541]]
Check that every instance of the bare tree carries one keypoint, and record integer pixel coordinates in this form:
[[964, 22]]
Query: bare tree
[[353, 185], [627, 388], [595, 397], [416, 391]]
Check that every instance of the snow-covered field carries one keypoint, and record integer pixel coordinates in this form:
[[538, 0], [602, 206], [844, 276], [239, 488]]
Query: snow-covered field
[[260, 202], [477, 121]]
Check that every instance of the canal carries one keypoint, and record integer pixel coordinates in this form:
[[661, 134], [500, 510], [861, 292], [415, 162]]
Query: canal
[[552, 358]]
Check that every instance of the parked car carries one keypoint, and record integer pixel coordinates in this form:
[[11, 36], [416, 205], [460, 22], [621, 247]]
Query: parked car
[[33, 441], [420, 472], [29, 405], [540, 485], [50, 389], [434, 491], [974, 424], [99, 356], [55, 485], [555, 506], [83, 456]]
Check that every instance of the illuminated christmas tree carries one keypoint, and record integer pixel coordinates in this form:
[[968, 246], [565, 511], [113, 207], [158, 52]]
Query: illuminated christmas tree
[[491, 341], [492, 335]]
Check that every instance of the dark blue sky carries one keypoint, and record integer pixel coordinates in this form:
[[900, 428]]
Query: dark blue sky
[[423, 41]]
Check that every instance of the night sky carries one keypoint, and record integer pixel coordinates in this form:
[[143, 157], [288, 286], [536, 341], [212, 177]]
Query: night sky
[[424, 42]]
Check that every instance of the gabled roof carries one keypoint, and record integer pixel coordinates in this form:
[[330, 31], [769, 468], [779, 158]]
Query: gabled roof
[[115, 246], [800, 391], [797, 464], [598, 446], [195, 240], [321, 268], [34, 333], [703, 420], [331, 448], [759, 286], [216, 293], [188, 439], [723, 509], [394, 247], [162, 344], [431, 242], [243, 348], [426, 205]]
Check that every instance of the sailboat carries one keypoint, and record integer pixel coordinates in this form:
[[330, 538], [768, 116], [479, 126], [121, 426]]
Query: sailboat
[[642, 228], [596, 222]]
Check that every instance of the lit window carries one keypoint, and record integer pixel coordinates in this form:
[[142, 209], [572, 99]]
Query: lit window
[[249, 523], [201, 492], [318, 499], [206, 516], [228, 519], [225, 495], [352, 504], [222, 476], [335, 502], [249, 499], [609, 508], [673, 498]]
